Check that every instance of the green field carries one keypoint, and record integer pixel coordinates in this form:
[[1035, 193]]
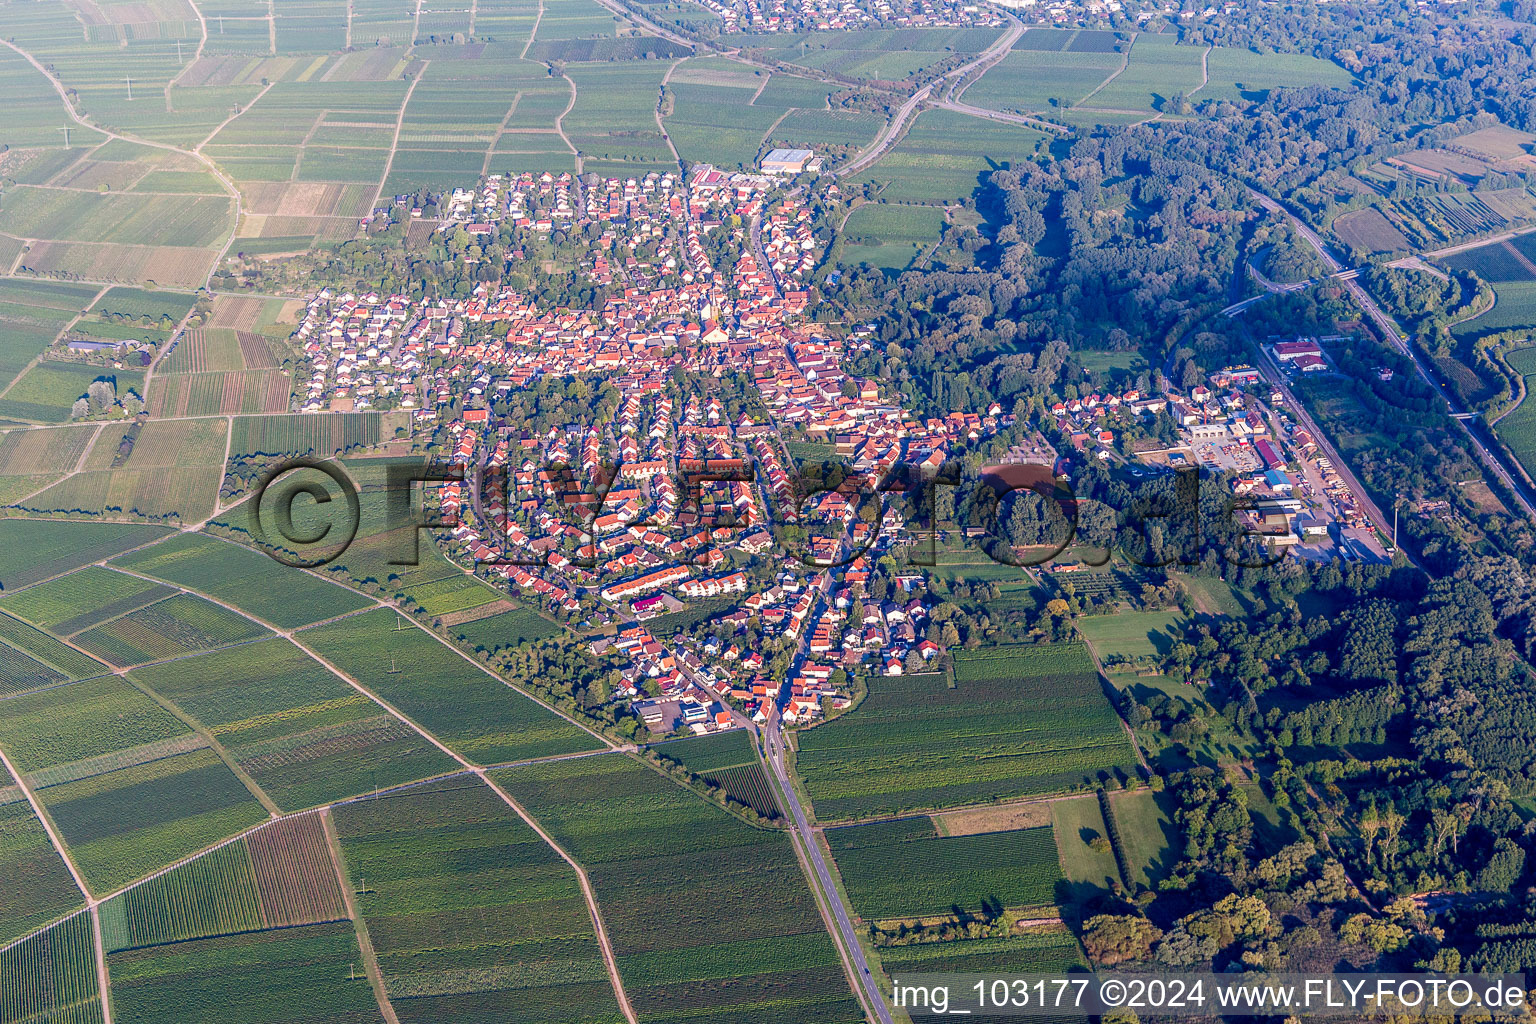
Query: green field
[[454, 594], [905, 869], [303, 435], [49, 390], [33, 550], [729, 761], [944, 154], [1132, 635], [302, 735], [249, 580], [1515, 307], [176, 626], [473, 916], [82, 599], [888, 54], [890, 237], [305, 975], [37, 658], [279, 876], [1158, 68], [40, 886], [667, 866], [1040, 80], [129, 787], [1149, 838], [1518, 428], [1077, 823], [1020, 720], [505, 629], [51, 976], [1245, 75], [1039, 950], [474, 713]]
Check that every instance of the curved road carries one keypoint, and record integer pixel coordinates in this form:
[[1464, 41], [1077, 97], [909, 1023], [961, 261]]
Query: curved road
[[887, 138]]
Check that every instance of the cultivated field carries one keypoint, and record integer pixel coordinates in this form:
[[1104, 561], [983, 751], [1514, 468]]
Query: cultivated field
[[943, 156], [46, 392], [874, 53], [31, 459], [34, 659], [1368, 229], [1020, 720], [302, 435], [1040, 80], [256, 976], [51, 976], [890, 237], [505, 629], [905, 869], [665, 863], [129, 787], [473, 916], [41, 888], [249, 580], [1132, 635], [726, 760], [171, 469], [302, 735], [85, 598], [1518, 428], [473, 712], [1043, 950]]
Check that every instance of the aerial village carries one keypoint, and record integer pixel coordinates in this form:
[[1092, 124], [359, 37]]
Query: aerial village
[[831, 15], [670, 505]]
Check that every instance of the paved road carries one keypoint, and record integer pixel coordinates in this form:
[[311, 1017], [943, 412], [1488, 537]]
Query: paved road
[[775, 742], [892, 131], [1390, 331]]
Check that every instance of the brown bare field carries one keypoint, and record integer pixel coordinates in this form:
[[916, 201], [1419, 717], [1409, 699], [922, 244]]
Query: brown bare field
[[239, 312], [485, 611], [1007, 818], [294, 873], [256, 352], [169, 266]]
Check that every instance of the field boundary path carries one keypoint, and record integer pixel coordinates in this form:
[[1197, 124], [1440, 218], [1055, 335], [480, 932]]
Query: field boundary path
[[609, 960], [1125, 62], [103, 982], [213, 168], [359, 926], [394, 144]]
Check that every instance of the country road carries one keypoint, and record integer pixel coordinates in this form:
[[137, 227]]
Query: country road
[[892, 131], [1390, 331], [775, 742]]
